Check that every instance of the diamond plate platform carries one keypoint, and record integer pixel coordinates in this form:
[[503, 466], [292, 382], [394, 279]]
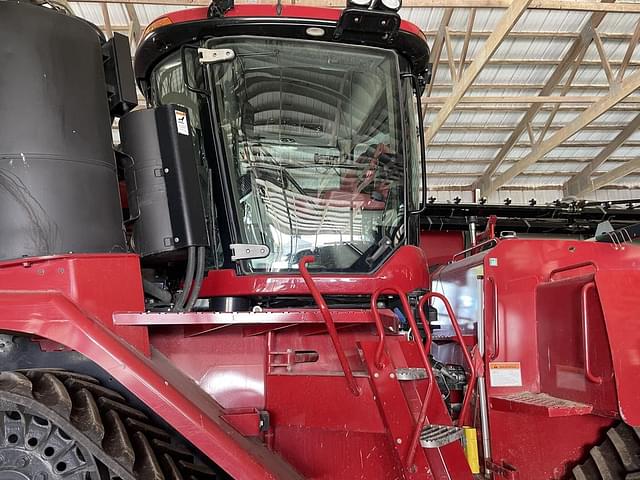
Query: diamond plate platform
[[539, 404]]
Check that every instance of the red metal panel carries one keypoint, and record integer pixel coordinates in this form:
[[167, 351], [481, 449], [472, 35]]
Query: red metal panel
[[517, 268], [440, 247], [541, 447], [539, 325], [322, 402], [561, 345], [336, 455], [618, 292], [247, 423], [88, 280], [167, 391], [227, 365], [404, 270]]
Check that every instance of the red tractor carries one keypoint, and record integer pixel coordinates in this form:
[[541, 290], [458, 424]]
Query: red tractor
[[264, 311]]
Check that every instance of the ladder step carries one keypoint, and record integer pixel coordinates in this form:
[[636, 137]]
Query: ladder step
[[436, 436], [539, 404], [411, 373]]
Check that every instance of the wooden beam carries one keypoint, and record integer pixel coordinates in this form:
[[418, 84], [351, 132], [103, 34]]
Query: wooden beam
[[611, 176], [546, 62], [581, 182], [575, 52], [436, 51], [456, 174], [107, 20], [478, 107], [525, 86], [532, 137], [467, 38], [542, 34], [568, 5], [135, 29], [481, 127], [572, 161], [586, 99], [603, 57], [595, 144], [633, 43], [450, 57], [509, 18], [619, 92]]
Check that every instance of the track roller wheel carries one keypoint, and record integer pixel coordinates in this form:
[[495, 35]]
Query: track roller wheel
[[616, 458], [58, 425]]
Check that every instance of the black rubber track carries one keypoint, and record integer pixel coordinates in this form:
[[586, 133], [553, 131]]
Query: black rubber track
[[104, 438], [616, 458]]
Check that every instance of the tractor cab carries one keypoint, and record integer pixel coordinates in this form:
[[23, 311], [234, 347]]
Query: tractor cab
[[306, 120]]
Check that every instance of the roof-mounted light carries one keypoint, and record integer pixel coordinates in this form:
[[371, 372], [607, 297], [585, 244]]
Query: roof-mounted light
[[373, 23], [361, 3], [391, 5]]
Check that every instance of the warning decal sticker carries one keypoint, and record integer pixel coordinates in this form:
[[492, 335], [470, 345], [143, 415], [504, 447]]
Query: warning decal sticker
[[505, 374], [181, 123]]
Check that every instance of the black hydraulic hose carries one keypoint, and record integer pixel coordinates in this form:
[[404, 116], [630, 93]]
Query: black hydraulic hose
[[154, 291], [188, 280], [195, 291]]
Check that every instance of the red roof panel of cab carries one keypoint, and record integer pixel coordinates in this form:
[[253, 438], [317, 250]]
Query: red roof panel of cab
[[288, 11]]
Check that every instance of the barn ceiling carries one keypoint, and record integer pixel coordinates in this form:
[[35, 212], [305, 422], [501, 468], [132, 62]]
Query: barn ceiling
[[530, 98]]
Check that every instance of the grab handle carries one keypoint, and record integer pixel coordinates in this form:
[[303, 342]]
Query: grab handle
[[585, 333], [495, 349]]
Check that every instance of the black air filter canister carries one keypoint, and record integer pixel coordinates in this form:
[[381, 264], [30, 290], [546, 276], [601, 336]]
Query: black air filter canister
[[162, 182], [58, 183]]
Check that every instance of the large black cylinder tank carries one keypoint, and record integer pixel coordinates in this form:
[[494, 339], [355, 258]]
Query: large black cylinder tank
[[58, 183]]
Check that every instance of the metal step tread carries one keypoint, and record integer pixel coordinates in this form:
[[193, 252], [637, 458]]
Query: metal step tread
[[411, 373], [436, 436], [539, 403]]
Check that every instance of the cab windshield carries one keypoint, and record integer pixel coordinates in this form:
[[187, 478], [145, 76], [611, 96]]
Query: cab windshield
[[313, 140], [317, 141]]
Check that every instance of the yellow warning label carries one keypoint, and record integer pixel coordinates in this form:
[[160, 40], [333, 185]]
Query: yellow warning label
[[504, 365]]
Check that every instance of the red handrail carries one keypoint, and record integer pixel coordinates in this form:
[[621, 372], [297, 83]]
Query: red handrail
[[585, 333], [424, 356], [379, 327], [328, 319], [422, 416], [496, 321], [575, 266]]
